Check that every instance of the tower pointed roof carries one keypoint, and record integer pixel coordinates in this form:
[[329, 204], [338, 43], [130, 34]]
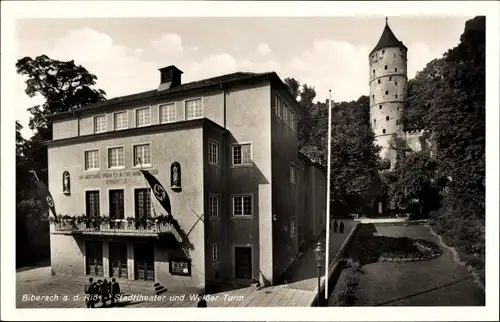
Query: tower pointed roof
[[388, 39]]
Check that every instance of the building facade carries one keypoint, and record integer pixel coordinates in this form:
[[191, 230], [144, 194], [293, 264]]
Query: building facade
[[388, 90], [225, 149]]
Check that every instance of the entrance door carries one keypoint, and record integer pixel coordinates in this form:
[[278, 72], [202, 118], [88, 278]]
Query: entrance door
[[93, 255], [118, 260], [243, 262], [144, 262]]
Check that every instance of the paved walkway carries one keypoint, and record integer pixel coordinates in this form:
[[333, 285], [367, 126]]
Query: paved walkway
[[299, 290]]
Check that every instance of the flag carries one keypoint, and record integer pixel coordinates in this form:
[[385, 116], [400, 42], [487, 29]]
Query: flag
[[158, 190], [47, 197]]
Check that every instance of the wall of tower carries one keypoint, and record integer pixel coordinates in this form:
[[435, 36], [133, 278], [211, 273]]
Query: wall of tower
[[388, 88]]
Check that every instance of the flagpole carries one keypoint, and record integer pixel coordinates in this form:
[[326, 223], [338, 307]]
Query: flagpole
[[328, 174], [34, 173]]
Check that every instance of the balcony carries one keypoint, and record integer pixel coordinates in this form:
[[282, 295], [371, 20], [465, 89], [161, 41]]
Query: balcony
[[117, 227]]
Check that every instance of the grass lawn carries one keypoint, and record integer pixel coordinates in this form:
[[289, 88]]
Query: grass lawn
[[434, 282]]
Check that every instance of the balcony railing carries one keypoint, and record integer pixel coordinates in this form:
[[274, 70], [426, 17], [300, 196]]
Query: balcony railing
[[114, 227]]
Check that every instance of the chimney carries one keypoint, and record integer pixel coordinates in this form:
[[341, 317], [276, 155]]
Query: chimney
[[170, 77]]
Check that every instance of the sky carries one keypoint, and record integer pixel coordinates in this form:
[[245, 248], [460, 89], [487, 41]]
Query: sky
[[325, 52]]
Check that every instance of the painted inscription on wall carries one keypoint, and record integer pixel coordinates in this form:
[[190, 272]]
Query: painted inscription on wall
[[115, 177]]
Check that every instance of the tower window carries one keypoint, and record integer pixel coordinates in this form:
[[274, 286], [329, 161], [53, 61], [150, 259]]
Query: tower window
[[374, 124], [380, 107], [396, 70], [397, 109], [396, 83], [383, 51], [387, 118], [386, 92], [373, 96], [378, 81], [385, 67], [374, 72], [396, 95], [383, 131], [390, 78]]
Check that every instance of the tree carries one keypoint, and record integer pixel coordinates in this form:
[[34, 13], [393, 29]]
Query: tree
[[449, 99], [354, 159], [413, 181], [64, 86]]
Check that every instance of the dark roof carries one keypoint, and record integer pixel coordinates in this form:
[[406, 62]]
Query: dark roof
[[388, 39], [196, 85]]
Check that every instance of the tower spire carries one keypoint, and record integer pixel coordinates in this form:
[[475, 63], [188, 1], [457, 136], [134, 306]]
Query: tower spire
[[386, 20]]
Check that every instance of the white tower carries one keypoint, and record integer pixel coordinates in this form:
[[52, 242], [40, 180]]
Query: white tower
[[388, 86]]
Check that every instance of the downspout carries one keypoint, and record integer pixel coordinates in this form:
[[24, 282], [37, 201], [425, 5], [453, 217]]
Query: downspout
[[227, 201]]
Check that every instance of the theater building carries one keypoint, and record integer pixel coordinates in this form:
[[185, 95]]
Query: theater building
[[225, 149]]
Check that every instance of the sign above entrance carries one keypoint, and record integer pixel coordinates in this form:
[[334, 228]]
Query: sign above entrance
[[180, 267], [115, 177]]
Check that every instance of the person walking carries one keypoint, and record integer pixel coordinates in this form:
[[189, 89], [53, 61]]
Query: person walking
[[115, 291], [341, 227], [88, 290], [335, 225]]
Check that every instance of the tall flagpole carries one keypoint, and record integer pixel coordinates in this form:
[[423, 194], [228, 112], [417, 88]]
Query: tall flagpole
[[328, 173]]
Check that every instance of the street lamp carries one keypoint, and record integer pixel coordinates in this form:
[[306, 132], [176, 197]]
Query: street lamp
[[318, 254]]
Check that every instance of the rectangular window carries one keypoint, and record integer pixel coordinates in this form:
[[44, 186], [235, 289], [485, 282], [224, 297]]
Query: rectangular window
[[293, 229], [142, 154], [293, 173], [278, 106], [167, 113], [116, 204], [213, 152], [194, 109], [142, 202], [293, 124], [92, 203], [115, 158], [285, 113], [213, 206], [142, 117], [242, 205], [215, 252], [120, 121], [242, 154], [92, 160], [100, 124]]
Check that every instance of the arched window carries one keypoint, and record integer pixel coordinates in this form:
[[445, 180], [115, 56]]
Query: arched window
[[383, 131], [175, 175], [378, 81], [387, 118], [396, 70], [386, 92], [390, 78], [385, 67], [396, 95], [396, 83], [380, 107], [374, 123]]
